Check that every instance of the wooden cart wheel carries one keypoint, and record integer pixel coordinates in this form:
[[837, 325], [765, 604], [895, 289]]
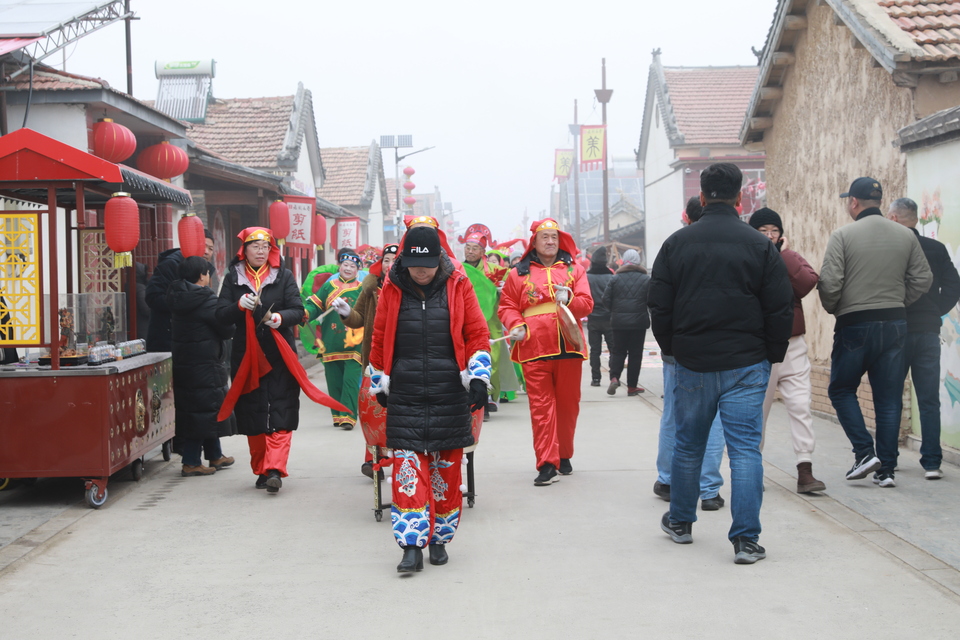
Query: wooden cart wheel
[[167, 450], [91, 496], [5, 483], [136, 469]]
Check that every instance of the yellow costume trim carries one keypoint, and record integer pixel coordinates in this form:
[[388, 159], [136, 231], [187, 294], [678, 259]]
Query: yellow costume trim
[[341, 355], [541, 309]]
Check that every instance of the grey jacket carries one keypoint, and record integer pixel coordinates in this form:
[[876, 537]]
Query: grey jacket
[[872, 270]]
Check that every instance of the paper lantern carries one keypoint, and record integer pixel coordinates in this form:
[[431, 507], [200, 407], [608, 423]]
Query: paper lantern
[[113, 142], [163, 160], [318, 234], [409, 186], [121, 225], [193, 242], [409, 171], [410, 200], [280, 220]]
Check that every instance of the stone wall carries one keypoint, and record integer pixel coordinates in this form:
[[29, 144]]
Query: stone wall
[[837, 120]]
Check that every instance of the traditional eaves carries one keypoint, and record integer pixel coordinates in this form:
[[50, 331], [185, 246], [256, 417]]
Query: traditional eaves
[[352, 174], [248, 131], [908, 38]]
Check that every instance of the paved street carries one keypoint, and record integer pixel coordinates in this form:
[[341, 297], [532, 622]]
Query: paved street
[[583, 558]]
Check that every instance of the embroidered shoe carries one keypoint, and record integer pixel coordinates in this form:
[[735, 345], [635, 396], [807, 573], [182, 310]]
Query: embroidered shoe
[[747, 551], [679, 532]]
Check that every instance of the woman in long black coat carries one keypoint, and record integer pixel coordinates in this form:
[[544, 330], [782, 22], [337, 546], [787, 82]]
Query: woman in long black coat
[[256, 283], [199, 376], [625, 297]]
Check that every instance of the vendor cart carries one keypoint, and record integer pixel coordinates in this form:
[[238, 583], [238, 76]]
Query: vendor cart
[[87, 422], [82, 402], [373, 422]]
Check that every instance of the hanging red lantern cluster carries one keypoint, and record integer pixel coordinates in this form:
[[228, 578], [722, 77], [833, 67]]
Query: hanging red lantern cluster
[[121, 225], [113, 142], [280, 220], [163, 160], [193, 241], [318, 232], [409, 186]]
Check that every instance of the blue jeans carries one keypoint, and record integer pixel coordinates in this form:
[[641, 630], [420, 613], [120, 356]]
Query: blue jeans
[[738, 394], [874, 348], [710, 478], [191, 450], [922, 357]]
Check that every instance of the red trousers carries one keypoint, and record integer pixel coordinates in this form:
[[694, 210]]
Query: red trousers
[[270, 451], [553, 391], [427, 498]]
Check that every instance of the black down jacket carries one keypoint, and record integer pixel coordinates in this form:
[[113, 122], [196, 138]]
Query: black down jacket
[[599, 318], [199, 376], [626, 299], [168, 265], [427, 407], [275, 405]]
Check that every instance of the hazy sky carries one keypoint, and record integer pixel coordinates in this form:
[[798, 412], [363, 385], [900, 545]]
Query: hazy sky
[[490, 84]]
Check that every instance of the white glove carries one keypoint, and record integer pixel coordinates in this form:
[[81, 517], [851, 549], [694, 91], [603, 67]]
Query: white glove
[[274, 321], [562, 294], [248, 301], [518, 333], [341, 306]]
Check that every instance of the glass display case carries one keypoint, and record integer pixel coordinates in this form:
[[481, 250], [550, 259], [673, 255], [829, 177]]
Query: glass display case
[[86, 320]]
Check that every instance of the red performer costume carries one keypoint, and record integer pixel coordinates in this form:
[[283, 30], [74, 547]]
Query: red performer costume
[[546, 275]]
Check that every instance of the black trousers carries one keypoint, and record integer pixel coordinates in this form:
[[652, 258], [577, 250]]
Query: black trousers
[[627, 345], [595, 338]]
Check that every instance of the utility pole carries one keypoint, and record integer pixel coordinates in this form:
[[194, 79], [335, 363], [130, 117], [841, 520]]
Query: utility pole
[[603, 96], [575, 130]]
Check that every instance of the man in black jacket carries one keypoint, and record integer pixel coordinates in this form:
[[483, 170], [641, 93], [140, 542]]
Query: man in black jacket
[[721, 304], [922, 349], [598, 322]]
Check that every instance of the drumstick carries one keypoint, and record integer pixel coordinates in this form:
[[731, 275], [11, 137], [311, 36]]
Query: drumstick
[[506, 337]]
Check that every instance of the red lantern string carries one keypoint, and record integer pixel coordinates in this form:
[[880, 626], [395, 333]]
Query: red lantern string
[[163, 160], [113, 142]]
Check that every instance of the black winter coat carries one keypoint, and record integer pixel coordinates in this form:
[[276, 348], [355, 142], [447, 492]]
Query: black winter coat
[[168, 265], [427, 407], [720, 297], [626, 298], [599, 318], [926, 313], [275, 404], [199, 375]]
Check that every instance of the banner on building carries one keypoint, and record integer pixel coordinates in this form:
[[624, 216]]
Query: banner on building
[[301, 219], [562, 164], [348, 233], [593, 147]]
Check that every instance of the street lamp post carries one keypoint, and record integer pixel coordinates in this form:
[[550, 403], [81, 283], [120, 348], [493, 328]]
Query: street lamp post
[[396, 143], [575, 130], [603, 97]]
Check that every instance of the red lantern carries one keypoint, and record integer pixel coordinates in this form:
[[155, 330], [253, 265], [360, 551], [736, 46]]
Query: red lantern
[[318, 235], [163, 160], [113, 142], [193, 241], [280, 220], [410, 200], [409, 186], [409, 171], [121, 224]]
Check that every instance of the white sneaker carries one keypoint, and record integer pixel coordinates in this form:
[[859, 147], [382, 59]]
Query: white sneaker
[[933, 474]]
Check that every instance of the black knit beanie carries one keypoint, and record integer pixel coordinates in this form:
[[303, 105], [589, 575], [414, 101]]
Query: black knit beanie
[[764, 216]]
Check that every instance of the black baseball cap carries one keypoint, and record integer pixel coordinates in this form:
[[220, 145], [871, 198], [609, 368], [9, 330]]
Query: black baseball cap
[[421, 248], [864, 189]]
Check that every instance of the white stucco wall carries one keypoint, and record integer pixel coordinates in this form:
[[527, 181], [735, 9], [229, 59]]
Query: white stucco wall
[[375, 218], [64, 122], [663, 191]]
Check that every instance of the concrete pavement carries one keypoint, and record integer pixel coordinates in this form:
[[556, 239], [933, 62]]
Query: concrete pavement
[[583, 558]]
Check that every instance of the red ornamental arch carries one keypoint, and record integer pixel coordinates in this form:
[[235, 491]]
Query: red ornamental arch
[[163, 160], [113, 142]]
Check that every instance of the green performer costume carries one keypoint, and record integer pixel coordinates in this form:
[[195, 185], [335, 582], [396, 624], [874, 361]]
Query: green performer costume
[[338, 346], [503, 377]]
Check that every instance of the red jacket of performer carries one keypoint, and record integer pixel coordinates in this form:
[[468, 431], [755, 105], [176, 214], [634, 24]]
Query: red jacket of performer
[[529, 299]]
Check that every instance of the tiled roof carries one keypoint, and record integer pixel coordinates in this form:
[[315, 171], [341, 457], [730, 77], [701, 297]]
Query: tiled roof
[[247, 131], [346, 174], [933, 24], [392, 193], [57, 81], [709, 103]]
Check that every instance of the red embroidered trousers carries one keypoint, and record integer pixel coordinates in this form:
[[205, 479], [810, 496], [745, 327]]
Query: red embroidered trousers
[[270, 451]]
